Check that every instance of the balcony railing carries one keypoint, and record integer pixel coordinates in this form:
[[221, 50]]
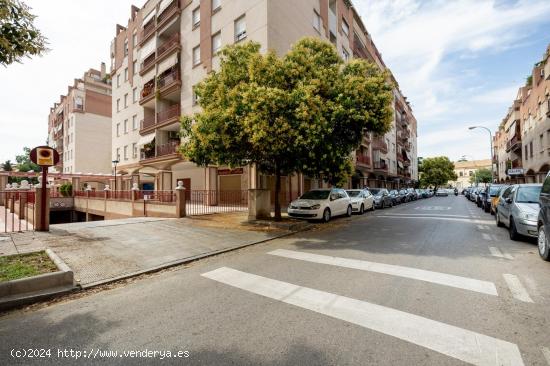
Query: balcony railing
[[168, 78], [380, 146], [172, 41], [358, 48], [147, 63], [363, 159], [516, 163], [148, 122], [147, 30], [513, 143], [168, 11], [380, 165], [148, 89], [168, 149], [405, 133], [173, 111]]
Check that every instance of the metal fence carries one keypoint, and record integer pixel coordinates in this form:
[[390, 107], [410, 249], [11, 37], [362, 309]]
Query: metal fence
[[204, 202], [16, 207]]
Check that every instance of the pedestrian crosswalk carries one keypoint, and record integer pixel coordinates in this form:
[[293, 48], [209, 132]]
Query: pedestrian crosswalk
[[450, 340]]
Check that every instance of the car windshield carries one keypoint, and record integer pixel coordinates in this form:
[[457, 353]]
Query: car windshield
[[529, 194], [374, 191], [353, 193], [493, 191], [316, 195]]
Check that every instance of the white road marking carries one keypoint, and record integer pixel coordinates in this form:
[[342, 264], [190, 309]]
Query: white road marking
[[546, 353], [428, 215], [496, 252], [480, 227], [438, 217], [444, 279], [516, 288], [486, 236], [433, 208], [462, 344], [532, 285]]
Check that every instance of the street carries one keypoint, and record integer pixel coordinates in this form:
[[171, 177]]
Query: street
[[431, 282]]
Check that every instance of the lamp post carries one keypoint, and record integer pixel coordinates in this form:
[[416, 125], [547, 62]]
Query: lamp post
[[491, 146], [115, 162]]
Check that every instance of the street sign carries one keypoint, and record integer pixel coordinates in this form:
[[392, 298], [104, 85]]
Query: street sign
[[516, 171], [44, 156]]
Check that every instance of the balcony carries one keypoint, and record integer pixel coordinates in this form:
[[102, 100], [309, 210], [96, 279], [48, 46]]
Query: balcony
[[147, 31], [380, 146], [168, 79], [405, 133], [358, 49], [171, 114], [514, 144], [381, 166], [147, 93], [172, 9], [147, 64], [168, 149], [172, 43], [516, 163], [147, 123], [78, 108], [362, 160]]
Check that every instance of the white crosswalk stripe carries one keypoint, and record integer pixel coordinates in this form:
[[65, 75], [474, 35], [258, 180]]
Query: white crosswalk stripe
[[401, 271], [516, 288], [462, 344], [496, 252], [546, 354]]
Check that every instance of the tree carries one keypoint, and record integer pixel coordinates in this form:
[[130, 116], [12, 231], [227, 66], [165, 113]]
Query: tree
[[482, 176], [436, 171], [66, 190], [6, 166], [18, 35], [304, 112], [24, 163]]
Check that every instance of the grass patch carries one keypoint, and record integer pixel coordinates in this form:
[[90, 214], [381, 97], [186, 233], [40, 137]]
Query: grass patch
[[17, 266]]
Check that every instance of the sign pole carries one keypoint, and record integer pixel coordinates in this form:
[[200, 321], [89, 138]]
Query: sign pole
[[43, 197]]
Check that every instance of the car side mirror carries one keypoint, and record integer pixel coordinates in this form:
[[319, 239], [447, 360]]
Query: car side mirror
[[332, 197], [508, 200]]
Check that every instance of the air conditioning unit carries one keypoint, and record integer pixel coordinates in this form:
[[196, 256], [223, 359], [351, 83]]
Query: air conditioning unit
[[240, 36]]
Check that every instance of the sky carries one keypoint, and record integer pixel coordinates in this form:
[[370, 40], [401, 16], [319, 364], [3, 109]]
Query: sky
[[460, 63]]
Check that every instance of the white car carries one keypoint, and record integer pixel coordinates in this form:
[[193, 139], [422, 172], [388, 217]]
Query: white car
[[442, 193], [361, 200], [321, 204]]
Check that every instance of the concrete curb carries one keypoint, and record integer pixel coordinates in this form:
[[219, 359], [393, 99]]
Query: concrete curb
[[30, 289]]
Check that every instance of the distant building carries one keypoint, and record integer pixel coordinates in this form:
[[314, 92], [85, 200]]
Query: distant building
[[79, 125], [466, 169]]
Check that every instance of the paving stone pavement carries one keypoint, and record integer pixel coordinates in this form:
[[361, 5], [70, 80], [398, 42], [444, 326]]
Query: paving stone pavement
[[104, 250]]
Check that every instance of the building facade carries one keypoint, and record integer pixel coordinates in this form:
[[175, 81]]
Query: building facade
[[522, 142], [169, 46], [466, 170], [79, 125]]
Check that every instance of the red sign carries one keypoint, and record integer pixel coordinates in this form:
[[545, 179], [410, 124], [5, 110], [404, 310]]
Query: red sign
[[44, 156]]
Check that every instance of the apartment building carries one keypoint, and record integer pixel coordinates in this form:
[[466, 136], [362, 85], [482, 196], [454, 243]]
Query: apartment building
[[79, 125], [465, 170], [522, 142], [169, 46]]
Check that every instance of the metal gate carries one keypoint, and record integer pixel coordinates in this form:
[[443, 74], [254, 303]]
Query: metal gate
[[16, 211]]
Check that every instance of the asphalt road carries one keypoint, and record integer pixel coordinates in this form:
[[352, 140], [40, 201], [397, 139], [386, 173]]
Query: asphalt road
[[432, 282]]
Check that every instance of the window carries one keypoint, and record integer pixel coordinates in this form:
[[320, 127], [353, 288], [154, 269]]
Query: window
[[125, 126], [345, 27], [118, 81], [135, 67], [332, 38], [345, 55], [216, 4], [134, 122], [118, 129], [196, 55], [240, 29], [196, 17], [134, 95], [541, 142], [216, 42], [316, 21], [118, 105], [134, 150], [526, 152], [461, 174], [126, 47], [118, 153], [134, 39], [126, 100], [126, 74], [126, 152], [531, 148], [195, 97]]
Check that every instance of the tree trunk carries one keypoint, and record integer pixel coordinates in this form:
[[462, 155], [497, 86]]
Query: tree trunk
[[277, 190]]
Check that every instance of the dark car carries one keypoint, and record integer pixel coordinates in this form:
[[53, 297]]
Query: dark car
[[492, 198], [396, 197], [404, 195], [481, 192], [544, 220], [412, 194], [382, 197]]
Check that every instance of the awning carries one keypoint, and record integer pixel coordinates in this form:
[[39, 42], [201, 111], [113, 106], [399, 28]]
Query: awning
[[400, 164], [168, 63], [144, 140], [148, 48], [407, 155], [163, 5], [149, 16]]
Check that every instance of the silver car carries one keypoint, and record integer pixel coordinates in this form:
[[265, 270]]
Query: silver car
[[518, 209]]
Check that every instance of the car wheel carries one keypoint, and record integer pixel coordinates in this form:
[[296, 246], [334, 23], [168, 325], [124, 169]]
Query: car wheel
[[373, 207], [326, 215], [514, 235], [349, 212], [383, 205], [487, 208], [361, 209], [497, 219], [544, 247]]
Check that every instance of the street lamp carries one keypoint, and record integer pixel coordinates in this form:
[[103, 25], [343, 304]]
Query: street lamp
[[115, 162], [491, 145]]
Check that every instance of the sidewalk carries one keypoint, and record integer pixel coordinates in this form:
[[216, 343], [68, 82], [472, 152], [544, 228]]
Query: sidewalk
[[103, 251]]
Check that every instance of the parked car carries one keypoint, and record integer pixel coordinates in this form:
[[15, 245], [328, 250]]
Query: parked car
[[481, 194], [494, 194], [321, 204], [404, 196], [412, 194], [544, 220], [419, 194], [361, 200], [396, 198], [441, 192], [473, 194], [518, 209], [382, 197]]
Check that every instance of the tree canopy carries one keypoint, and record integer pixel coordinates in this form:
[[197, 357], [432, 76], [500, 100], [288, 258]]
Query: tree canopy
[[24, 163], [18, 35], [7, 166], [482, 175], [303, 112], [436, 171]]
